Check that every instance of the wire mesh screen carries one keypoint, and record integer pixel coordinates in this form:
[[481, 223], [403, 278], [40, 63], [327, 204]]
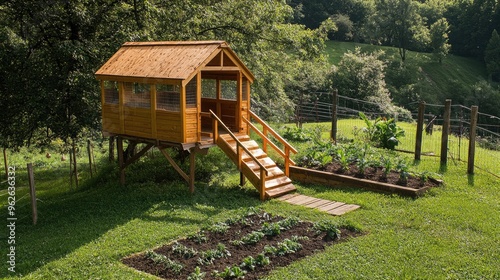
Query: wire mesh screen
[[168, 97], [191, 89], [137, 95], [111, 93]]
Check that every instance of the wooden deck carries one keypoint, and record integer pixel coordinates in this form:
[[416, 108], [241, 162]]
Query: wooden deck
[[331, 207]]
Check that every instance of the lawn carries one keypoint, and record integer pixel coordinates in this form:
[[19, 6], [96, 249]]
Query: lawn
[[451, 233]]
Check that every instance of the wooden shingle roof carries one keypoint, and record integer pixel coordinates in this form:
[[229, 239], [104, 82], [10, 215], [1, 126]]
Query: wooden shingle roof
[[177, 60]]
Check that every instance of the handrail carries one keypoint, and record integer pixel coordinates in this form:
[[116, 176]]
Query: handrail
[[274, 133], [238, 144], [263, 134]]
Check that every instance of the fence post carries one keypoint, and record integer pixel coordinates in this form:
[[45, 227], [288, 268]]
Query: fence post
[[32, 192], [445, 132], [472, 140], [333, 132], [420, 128]]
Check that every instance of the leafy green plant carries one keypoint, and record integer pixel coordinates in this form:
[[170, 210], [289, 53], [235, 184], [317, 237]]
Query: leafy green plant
[[271, 229], [362, 164], [164, 260], [287, 246], [288, 223], [269, 250], [249, 263], [219, 227], [262, 260], [327, 227], [343, 158], [296, 134], [386, 163], [251, 238], [404, 171], [233, 272], [207, 257], [197, 274], [198, 237], [383, 132], [183, 250]]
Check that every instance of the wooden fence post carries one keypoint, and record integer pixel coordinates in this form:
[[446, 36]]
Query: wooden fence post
[[420, 130], [32, 192], [445, 132], [472, 140], [333, 132]]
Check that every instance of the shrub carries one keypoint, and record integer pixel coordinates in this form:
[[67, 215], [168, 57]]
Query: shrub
[[384, 133]]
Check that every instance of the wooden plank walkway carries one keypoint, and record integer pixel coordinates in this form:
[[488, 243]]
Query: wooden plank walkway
[[331, 207]]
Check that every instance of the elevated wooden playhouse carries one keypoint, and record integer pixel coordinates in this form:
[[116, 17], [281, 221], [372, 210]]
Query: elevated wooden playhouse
[[190, 95]]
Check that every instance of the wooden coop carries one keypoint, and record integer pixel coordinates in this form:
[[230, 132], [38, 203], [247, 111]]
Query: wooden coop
[[190, 95]]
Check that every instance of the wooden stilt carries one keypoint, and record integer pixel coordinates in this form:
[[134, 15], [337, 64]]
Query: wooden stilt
[[192, 170], [242, 179], [119, 148]]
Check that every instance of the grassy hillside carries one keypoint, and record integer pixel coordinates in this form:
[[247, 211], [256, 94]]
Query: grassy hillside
[[436, 81]]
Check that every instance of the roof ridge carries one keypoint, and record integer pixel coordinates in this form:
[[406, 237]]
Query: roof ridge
[[174, 43]]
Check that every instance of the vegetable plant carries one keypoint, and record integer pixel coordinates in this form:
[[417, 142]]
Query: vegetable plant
[[196, 274], [162, 259], [183, 250], [328, 227], [383, 132], [233, 272]]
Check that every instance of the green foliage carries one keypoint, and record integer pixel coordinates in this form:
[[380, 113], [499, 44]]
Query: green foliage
[[439, 39], [164, 260], [271, 229], [233, 272], [296, 134], [384, 133], [492, 56], [249, 263], [198, 237], [404, 171], [287, 246], [262, 260], [197, 274], [288, 223], [251, 238], [183, 250], [208, 257], [327, 227], [219, 227]]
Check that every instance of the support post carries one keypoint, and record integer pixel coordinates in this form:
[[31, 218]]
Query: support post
[[420, 128], [262, 190], [111, 148], [445, 132], [472, 140], [119, 148], [333, 132], [5, 163], [192, 170], [32, 192], [242, 179]]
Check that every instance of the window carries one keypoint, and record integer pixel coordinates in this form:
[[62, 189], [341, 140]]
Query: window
[[244, 93], [137, 95], [209, 88], [229, 89], [111, 92], [191, 99], [168, 97]]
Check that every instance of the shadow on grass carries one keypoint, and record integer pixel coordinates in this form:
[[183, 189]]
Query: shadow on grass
[[69, 220]]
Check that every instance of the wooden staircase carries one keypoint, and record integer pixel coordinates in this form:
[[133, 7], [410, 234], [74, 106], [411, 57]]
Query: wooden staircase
[[276, 183], [252, 160]]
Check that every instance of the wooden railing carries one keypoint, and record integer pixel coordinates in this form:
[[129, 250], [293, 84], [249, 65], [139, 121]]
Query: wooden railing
[[266, 141], [239, 151]]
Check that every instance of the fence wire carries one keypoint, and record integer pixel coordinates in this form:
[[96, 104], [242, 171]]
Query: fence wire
[[487, 156]]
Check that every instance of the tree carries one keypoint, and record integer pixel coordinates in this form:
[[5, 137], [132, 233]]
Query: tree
[[439, 39], [401, 25], [492, 56]]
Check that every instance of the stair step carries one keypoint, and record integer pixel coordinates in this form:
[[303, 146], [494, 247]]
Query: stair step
[[273, 172], [267, 162], [251, 145], [280, 191], [277, 182], [230, 139], [257, 153]]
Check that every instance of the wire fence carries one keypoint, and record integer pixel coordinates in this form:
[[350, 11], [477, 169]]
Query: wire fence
[[487, 139]]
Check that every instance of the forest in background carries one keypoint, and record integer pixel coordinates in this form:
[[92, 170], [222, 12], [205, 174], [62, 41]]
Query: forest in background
[[50, 50]]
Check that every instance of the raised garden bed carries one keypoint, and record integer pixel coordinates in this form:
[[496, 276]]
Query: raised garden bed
[[372, 179], [250, 246]]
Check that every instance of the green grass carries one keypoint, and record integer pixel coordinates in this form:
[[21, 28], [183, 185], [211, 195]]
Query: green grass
[[451, 233]]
